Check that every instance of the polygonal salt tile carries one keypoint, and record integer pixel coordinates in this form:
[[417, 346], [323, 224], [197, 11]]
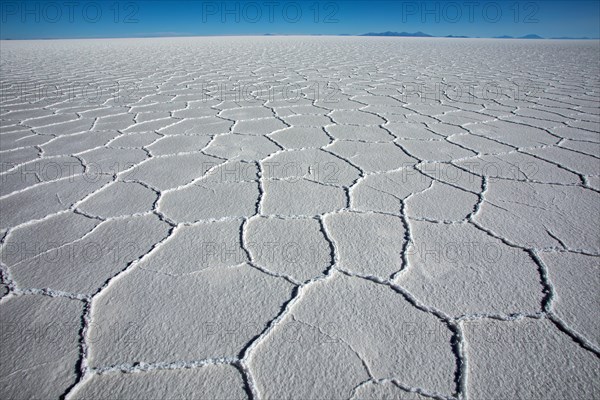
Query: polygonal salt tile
[[384, 390], [20, 115], [157, 102], [77, 143], [47, 198], [527, 359], [593, 182], [576, 281], [589, 125], [411, 118], [338, 103], [244, 147], [301, 137], [193, 248], [513, 134], [114, 122], [25, 138], [314, 164], [517, 166], [246, 113], [150, 116], [133, 140], [300, 109], [462, 117], [384, 192], [119, 199], [581, 163], [313, 356], [84, 265], [168, 172], [287, 96], [542, 215], [103, 112], [218, 382], [576, 134], [34, 238], [441, 202], [408, 130], [452, 175], [353, 132], [301, 197], [402, 116], [199, 112], [540, 115], [79, 125], [112, 161], [480, 144], [150, 125], [432, 109], [12, 158], [295, 247], [460, 269], [369, 244], [174, 144], [261, 126], [39, 342], [356, 117], [221, 327], [210, 200], [37, 171], [307, 120], [198, 126], [231, 171], [592, 149], [340, 327], [372, 157], [439, 150], [379, 100]]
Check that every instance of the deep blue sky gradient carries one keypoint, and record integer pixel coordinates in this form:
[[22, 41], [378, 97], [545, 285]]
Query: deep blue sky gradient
[[95, 19]]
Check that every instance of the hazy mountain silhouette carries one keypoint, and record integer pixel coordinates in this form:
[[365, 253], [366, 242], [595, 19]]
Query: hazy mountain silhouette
[[531, 36], [422, 34], [402, 34]]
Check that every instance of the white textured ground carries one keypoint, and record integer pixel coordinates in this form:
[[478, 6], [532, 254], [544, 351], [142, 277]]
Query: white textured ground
[[171, 240]]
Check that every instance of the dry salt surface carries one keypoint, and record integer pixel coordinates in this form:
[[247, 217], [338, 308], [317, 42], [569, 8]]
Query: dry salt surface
[[300, 218]]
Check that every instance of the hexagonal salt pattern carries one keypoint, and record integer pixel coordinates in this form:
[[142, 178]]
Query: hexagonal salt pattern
[[362, 243]]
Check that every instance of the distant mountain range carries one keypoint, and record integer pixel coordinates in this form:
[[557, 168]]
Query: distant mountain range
[[385, 34], [530, 36], [403, 34], [422, 34]]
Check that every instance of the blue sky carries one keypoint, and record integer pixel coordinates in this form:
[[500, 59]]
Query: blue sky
[[481, 18]]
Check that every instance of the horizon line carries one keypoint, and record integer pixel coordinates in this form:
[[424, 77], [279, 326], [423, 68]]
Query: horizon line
[[368, 34]]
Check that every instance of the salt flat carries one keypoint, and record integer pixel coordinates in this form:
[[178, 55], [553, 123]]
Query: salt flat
[[300, 218]]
